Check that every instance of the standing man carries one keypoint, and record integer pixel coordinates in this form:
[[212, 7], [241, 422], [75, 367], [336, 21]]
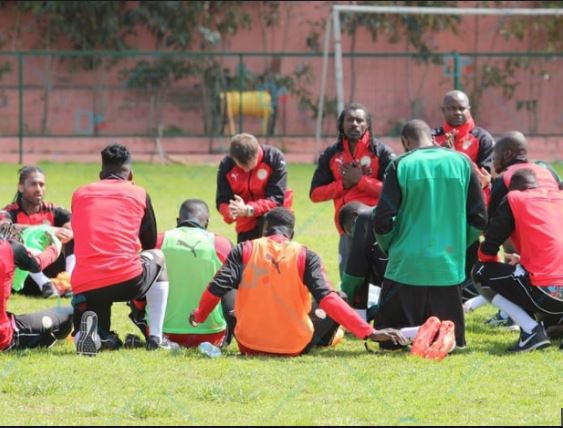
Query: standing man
[[40, 329], [431, 210], [275, 278], [193, 257], [30, 209], [460, 133], [250, 182], [113, 221], [531, 283], [352, 169]]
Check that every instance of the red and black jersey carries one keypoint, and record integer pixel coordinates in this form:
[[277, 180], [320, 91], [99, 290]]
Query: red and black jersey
[[263, 188], [12, 255], [48, 214], [475, 142], [112, 221], [499, 189], [327, 184], [533, 220]]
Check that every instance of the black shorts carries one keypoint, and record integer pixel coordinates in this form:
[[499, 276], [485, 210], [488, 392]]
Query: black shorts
[[402, 305], [41, 329], [101, 299]]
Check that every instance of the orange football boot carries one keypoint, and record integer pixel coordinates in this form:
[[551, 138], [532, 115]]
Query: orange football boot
[[425, 336], [444, 343]]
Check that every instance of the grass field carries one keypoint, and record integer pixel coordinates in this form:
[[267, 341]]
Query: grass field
[[481, 385]]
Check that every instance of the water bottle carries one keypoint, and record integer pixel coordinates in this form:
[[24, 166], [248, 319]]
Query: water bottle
[[209, 350]]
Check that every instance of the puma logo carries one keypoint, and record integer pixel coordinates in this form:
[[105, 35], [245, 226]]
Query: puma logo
[[191, 247], [275, 263]]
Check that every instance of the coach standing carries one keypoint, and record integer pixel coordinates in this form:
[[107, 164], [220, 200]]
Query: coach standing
[[352, 169], [251, 181]]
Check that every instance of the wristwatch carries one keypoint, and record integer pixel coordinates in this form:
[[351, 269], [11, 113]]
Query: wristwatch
[[249, 211]]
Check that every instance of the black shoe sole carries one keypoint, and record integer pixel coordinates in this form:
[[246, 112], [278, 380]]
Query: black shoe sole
[[86, 344]]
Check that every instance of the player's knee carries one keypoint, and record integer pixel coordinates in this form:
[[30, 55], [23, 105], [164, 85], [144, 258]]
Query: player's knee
[[480, 281], [156, 255]]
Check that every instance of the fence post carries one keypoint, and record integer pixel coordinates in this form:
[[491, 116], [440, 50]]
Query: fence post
[[240, 88], [457, 71], [20, 114]]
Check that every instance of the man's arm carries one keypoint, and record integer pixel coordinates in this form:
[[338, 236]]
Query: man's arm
[[224, 193], [324, 186], [499, 230], [34, 264], [275, 189], [486, 145], [498, 192], [147, 231], [388, 207], [475, 206], [227, 278]]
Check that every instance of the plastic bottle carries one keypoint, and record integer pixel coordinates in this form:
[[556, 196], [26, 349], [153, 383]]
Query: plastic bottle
[[209, 350]]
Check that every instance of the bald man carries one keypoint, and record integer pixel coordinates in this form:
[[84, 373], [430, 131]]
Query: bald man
[[530, 284], [509, 155], [431, 209]]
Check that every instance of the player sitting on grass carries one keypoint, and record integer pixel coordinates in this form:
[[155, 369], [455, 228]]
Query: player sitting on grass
[[40, 329], [275, 278], [30, 209]]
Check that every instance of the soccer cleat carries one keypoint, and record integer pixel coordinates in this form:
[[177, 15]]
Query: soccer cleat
[[111, 342], [49, 291], [132, 341], [155, 342], [444, 343], [138, 316], [537, 339], [499, 321], [425, 336], [88, 342]]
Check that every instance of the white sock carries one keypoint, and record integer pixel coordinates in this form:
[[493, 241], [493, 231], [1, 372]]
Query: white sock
[[76, 338], [409, 332], [503, 314], [157, 298], [70, 263], [475, 303], [40, 279], [518, 315], [362, 313]]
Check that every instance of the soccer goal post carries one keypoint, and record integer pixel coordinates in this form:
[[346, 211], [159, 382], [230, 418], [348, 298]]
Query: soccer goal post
[[333, 29]]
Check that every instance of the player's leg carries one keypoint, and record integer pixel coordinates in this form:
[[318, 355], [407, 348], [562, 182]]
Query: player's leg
[[508, 288], [42, 329]]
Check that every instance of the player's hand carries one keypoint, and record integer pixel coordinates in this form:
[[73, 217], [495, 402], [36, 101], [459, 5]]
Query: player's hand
[[484, 177], [450, 138], [53, 240], [389, 335], [191, 319], [64, 234], [237, 207], [351, 174], [512, 259]]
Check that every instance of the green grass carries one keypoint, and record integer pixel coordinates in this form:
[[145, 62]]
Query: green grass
[[344, 385]]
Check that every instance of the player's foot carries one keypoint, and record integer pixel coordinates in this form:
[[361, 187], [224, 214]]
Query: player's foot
[[499, 321], [48, 290], [88, 341], [537, 339], [444, 343], [156, 342], [425, 336]]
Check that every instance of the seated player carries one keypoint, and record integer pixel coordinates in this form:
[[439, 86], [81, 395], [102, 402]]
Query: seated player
[[30, 209], [193, 257], [275, 278], [531, 284], [40, 329], [366, 263]]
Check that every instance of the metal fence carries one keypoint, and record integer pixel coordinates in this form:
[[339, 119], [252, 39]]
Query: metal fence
[[114, 94]]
